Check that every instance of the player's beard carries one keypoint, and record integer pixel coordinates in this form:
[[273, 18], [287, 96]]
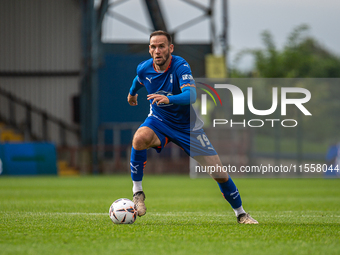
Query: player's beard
[[165, 59]]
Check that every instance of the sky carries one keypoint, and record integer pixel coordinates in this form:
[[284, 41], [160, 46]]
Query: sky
[[247, 20]]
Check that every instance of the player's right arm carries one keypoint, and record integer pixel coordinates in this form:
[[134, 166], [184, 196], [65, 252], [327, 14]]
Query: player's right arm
[[132, 96]]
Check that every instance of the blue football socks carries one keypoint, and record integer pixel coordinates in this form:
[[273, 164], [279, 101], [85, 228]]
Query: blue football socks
[[230, 193], [137, 164]]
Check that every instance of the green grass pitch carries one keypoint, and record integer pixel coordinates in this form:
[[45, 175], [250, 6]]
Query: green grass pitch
[[69, 215]]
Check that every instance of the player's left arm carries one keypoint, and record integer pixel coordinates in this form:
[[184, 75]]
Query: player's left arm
[[188, 96], [188, 88]]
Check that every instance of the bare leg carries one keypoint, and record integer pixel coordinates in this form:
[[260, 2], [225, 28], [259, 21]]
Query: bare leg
[[227, 187], [214, 160], [145, 138]]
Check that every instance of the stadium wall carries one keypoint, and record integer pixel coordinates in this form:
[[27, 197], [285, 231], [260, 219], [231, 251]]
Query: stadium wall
[[40, 49]]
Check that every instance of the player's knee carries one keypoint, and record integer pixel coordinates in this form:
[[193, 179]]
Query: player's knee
[[139, 143], [142, 140]]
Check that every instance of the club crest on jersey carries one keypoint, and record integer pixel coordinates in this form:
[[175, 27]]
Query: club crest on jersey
[[149, 79], [165, 93]]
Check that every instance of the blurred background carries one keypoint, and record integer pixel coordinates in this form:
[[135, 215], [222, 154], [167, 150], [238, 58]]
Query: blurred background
[[66, 67]]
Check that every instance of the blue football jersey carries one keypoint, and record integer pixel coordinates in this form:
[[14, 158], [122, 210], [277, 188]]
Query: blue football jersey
[[170, 82]]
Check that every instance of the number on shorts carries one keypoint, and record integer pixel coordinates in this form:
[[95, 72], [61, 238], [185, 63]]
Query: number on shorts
[[203, 140]]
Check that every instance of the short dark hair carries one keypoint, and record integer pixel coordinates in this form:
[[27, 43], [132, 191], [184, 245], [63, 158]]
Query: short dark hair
[[161, 32]]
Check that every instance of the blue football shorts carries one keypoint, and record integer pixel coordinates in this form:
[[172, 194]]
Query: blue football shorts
[[194, 143]]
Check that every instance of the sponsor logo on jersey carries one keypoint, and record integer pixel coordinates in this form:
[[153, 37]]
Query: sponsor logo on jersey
[[187, 77], [165, 93]]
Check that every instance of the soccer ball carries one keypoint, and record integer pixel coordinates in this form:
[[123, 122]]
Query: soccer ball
[[123, 211]]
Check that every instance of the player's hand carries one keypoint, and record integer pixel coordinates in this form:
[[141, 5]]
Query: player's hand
[[132, 100], [158, 99]]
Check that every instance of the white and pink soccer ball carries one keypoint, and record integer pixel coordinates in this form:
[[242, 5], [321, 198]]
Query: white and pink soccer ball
[[123, 211]]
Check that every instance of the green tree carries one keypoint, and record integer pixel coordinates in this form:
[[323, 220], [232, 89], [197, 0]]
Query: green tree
[[302, 56]]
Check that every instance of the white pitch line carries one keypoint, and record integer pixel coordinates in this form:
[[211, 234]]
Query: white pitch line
[[196, 214], [56, 213]]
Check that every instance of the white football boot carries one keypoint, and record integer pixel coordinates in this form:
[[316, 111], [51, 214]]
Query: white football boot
[[138, 199], [245, 218]]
